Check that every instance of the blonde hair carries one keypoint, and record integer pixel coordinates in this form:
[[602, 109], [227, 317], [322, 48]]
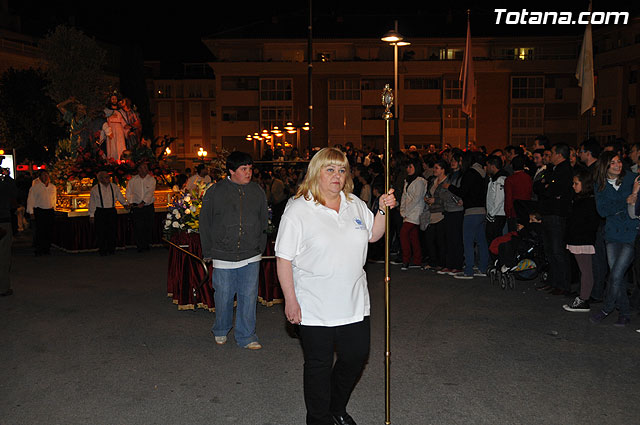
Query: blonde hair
[[326, 156]]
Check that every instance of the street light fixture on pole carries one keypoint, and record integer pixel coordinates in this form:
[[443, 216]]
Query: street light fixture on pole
[[292, 129], [395, 39], [202, 154]]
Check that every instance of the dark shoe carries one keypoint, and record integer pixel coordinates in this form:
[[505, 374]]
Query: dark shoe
[[577, 306], [343, 420], [405, 266], [544, 288], [622, 321], [598, 317], [7, 293]]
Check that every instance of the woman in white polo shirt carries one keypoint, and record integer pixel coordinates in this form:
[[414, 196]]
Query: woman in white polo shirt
[[321, 250]]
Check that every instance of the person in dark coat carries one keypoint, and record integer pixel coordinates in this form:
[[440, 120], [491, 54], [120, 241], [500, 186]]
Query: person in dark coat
[[555, 194], [581, 236]]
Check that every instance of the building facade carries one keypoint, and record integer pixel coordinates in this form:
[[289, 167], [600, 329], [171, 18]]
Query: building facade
[[524, 87], [184, 107]]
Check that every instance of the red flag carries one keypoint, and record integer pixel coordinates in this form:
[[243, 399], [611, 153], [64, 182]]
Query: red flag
[[467, 76]]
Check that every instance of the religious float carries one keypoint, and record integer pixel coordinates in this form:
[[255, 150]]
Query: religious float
[[74, 174]]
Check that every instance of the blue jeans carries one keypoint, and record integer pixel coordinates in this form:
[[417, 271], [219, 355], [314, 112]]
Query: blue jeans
[[242, 282], [473, 230], [599, 265], [620, 256]]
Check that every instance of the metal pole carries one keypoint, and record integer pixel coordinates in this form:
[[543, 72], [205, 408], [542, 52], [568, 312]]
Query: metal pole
[[310, 75], [387, 101], [396, 117], [466, 134]]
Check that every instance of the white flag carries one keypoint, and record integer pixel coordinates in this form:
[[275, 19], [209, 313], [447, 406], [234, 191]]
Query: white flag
[[584, 70]]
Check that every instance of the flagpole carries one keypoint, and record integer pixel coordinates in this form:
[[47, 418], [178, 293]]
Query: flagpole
[[387, 101], [467, 77], [466, 134], [584, 75]]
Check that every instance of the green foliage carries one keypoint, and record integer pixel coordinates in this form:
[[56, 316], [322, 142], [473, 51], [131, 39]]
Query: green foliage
[[28, 117], [75, 67]]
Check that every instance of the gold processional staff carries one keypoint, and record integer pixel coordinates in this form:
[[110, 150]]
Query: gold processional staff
[[387, 101]]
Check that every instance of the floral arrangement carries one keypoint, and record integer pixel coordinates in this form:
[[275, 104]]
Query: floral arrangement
[[184, 212], [79, 170]]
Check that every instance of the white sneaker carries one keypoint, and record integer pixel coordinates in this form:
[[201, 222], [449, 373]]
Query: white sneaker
[[221, 340], [461, 275], [255, 345]]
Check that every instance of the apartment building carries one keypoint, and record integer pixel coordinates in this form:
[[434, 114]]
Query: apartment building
[[524, 86]]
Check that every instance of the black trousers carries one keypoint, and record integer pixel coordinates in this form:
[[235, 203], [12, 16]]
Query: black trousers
[[44, 230], [494, 230], [328, 386], [143, 225], [106, 222], [454, 257], [436, 242], [553, 238]]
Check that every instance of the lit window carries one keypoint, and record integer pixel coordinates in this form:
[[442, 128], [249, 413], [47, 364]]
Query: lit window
[[451, 54]]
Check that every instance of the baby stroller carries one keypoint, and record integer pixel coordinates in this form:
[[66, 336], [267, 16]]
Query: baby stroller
[[520, 256]]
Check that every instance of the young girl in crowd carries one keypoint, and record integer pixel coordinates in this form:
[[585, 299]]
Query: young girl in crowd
[[411, 207], [582, 225], [436, 234], [612, 189]]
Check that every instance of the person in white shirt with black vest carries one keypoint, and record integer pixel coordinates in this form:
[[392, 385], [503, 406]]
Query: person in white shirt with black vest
[[41, 202], [140, 195], [103, 214]]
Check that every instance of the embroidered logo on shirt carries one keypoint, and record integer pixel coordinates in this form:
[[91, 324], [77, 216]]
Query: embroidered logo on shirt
[[359, 224]]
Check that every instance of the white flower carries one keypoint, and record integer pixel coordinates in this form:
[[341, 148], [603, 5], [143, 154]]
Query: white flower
[[167, 223], [187, 211], [187, 198], [176, 224], [168, 215], [176, 213]]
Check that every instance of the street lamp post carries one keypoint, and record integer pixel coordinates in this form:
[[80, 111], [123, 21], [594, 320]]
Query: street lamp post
[[395, 39], [202, 154], [292, 129]]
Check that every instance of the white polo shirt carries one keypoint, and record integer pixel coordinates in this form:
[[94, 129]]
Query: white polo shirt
[[328, 251]]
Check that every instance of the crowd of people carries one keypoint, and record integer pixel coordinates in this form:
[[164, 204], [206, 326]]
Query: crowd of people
[[454, 203], [582, 202]]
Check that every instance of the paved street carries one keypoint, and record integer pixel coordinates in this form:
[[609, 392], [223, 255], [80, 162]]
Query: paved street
[[95, 340]]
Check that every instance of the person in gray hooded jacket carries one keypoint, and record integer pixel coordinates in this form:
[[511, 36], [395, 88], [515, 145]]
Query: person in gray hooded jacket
[[233, 233]]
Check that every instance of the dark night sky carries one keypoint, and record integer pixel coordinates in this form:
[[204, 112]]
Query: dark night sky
[[174, 33]]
